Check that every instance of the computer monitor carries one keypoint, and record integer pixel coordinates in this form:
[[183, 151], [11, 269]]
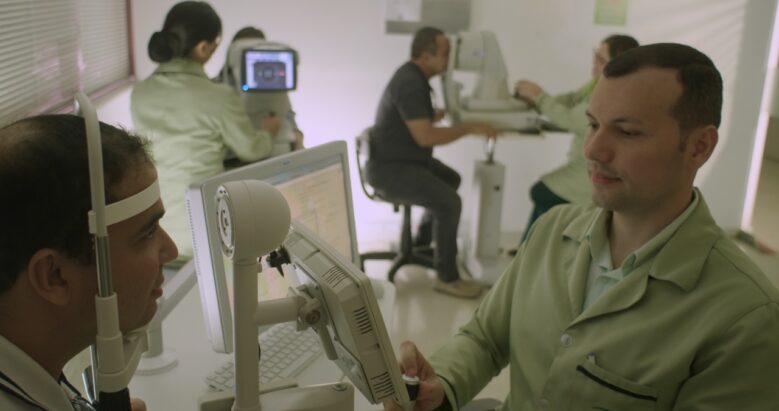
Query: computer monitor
[[315, 182], [268, 69], [355, 328]]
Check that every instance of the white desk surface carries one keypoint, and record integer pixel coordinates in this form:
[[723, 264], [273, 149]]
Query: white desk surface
[[184, 333]]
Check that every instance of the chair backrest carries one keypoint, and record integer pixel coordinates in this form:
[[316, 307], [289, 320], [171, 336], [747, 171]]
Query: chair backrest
[[362, 154]]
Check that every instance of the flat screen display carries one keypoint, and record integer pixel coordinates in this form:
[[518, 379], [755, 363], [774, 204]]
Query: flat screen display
[[269, 70], [316, 184]]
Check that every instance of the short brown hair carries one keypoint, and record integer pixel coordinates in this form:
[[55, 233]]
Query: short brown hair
[[44, 178], [424, 41], [701, 101], [619, 43], [249, 32]]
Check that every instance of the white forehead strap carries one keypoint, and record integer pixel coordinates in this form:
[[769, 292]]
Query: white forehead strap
[[127, 208]]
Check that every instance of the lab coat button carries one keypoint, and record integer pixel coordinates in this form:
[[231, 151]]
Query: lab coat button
[[566, 340]]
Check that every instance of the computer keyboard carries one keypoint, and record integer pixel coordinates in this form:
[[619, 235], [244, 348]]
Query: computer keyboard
[[285, 353]]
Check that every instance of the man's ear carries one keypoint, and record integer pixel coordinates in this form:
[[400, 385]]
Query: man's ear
[[44, 272], [701, 145]]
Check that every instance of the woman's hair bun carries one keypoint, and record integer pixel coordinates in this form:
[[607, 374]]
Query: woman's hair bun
[[163, 46]]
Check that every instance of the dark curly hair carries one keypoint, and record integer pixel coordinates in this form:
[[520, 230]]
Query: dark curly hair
[[44, 178], [187, 24]]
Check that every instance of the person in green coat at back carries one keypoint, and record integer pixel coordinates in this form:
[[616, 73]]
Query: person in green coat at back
[[568, 183], [190, 120], [639, 301]]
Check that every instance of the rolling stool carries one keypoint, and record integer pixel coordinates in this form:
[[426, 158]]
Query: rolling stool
[[407, 253]]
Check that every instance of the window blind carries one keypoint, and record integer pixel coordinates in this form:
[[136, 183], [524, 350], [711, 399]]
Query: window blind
[[53, 48]]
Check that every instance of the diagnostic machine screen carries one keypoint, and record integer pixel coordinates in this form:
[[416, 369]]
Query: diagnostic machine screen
[[269, 70]]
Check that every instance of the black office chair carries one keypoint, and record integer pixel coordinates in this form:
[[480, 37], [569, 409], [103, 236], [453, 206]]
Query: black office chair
[[407, 253]]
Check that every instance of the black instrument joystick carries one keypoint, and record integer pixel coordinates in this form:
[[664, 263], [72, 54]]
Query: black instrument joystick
[[277, 258], [412, 386]]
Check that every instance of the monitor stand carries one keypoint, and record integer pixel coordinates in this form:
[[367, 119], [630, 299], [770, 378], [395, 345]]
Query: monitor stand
[[157, 359]]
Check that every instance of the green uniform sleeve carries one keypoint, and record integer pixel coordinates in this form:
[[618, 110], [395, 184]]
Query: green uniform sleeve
[[571, 118], [566, 100], [480, 350], [567, 111], [739, 370], [248, 143]]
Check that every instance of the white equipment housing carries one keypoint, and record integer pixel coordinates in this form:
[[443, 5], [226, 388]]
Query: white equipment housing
[[488, 178], [491, 102], [483, 256], [259, 105]]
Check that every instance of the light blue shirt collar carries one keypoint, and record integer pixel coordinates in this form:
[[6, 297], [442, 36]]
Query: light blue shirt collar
[[600, 250], [602, 275]]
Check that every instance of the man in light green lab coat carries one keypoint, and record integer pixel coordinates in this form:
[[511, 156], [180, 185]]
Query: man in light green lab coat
[[637, 303]]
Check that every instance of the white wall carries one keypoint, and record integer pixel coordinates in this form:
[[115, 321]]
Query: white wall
[[772, 140], [725, 184], [346, 60]]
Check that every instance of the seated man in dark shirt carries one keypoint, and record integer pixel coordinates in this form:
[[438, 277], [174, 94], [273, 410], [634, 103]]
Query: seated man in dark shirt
[[401, 163]]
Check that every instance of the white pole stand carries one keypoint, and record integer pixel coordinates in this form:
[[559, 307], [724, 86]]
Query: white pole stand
[[157, 359]]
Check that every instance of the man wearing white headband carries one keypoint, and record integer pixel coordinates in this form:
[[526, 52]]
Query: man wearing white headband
[[48, 278]]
